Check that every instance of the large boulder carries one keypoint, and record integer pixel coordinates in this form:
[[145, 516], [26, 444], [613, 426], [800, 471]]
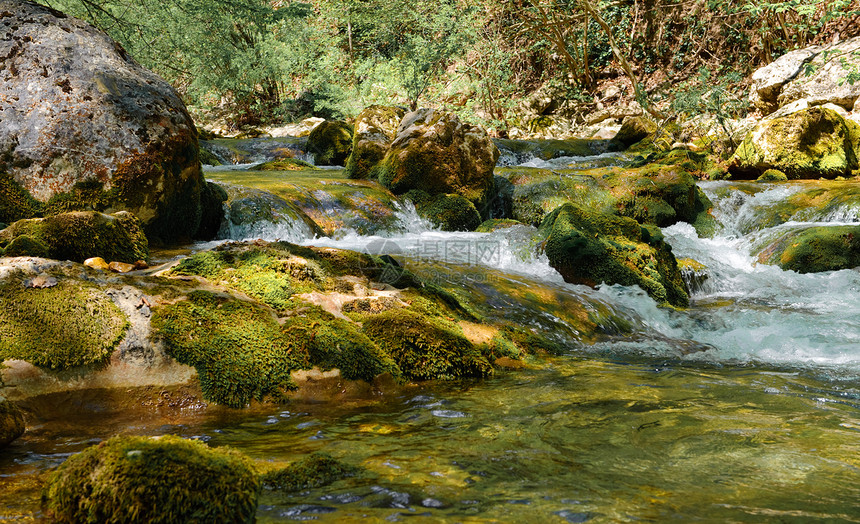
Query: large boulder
[[330, 143], [768, 81], [437, 153], [153, 479], [375, 128], [82, 123], [592, 248], [77, 236], [11, 422], [633, 129], [811, 143], [824, 79]]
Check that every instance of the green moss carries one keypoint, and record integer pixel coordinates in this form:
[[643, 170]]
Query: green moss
[[237, 347], [449, 212], [426, 348], [772, 175], [591, 248], [285, 164], [332, 342], [15, 201], [496, 224], [813, 143], [375, 128], [330, 142], [633, 129], [81, 235], [314, 471], [815, 249], [68, 325], [208, 158], [11, 422], [156, 480], [25, 246]]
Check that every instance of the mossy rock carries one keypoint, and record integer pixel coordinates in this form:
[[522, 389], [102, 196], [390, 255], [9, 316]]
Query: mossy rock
[[250, 209], [237, 347], [375, 128], [25, 246], [15, 201], [81, 235], [772, 175], [69, 325], [158, 480], [436, 153], [333, 342], [497, 224], [285, 164], [330, 143], [633, 129], [446, 212], [592, 248], [424, 347], [11, 422], [814, 249], [653, 193], [209, 158], [808, 144], [313, 471]]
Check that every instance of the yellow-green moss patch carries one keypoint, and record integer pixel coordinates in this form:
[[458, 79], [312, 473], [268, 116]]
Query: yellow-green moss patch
[[154, 480], [237, 347], [68, 325], [314, 471]]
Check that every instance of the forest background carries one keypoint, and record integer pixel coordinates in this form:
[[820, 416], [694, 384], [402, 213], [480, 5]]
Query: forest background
[[498, 63]]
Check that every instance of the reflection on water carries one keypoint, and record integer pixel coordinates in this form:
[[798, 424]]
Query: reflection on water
[[575, 441]]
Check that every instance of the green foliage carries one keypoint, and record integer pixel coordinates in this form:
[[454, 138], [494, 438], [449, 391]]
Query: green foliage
[[158, 480], [313, 471], [68, 325]]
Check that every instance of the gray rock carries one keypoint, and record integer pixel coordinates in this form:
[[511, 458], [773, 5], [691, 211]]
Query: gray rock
[[769, 80], [75, 108], [826, 82]]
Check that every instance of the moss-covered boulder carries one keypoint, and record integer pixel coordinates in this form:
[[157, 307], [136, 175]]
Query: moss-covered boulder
[[814, 249], [330, 143], [446, 212], [313, 471], [592, 248], [78, 236], [633, 129], [811, 143], [425, 347], [655, 193], [375, 128], [11, 422], [437, 153], [252, 213], [237, 347], [63, 326], [79, 111], [159, 480]]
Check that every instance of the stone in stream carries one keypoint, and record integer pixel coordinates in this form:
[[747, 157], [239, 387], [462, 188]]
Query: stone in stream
[[375, 128], [153, 479], [808, 144], [813, 249], [590, 248], [83, 126], [11, 422], [330, 143]]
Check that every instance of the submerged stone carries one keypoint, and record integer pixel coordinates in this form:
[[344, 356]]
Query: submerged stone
[[313, 471], [144, 479]]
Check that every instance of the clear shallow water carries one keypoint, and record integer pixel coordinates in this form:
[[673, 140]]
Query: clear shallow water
[[743, 408]]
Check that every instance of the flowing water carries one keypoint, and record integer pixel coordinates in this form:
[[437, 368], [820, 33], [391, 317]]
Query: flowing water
[[743, 408]]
